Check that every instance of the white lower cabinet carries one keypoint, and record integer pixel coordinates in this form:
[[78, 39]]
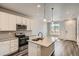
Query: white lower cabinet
[[14, 46], [8, 47], [4, 48]]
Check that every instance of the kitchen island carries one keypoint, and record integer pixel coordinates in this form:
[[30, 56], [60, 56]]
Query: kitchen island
[[43, 47]]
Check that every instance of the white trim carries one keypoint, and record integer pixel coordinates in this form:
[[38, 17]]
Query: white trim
[[51, 53]]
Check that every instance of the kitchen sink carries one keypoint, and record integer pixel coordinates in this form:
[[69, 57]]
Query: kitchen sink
[[37, 39]]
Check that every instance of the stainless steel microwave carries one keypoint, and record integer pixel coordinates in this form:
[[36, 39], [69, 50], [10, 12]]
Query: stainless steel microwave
[[18, 26]]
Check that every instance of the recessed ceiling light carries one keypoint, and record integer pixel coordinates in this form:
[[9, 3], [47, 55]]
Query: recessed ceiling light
[[38, 6], [44, 20]]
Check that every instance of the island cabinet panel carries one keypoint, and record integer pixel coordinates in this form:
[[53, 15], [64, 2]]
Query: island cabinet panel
[[33, 49], [38, 50], [47, 51]]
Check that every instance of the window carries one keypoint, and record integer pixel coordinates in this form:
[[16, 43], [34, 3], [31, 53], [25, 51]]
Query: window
[[54, 29]]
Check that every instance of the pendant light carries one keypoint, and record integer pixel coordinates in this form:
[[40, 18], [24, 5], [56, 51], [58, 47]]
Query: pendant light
[[44, 14], [52, 14], [51, 20], [44, 19]]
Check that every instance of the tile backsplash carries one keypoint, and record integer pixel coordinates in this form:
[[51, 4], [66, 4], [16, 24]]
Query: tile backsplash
[[7, 34]]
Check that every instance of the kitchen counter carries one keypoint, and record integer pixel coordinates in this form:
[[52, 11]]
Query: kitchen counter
[[46, 42], [43, 47]]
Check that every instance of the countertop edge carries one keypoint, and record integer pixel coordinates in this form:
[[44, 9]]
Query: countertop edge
[[40, 44]]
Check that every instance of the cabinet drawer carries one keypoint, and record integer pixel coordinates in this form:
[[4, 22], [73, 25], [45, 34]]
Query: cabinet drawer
[[4, 48]]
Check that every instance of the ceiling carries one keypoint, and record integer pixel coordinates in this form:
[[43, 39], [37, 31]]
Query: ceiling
[[61, 10]]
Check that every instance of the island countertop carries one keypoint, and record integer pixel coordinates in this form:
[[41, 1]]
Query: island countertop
[[46, 42]]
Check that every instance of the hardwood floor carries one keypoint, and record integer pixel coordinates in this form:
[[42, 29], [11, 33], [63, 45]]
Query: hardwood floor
[[66, 48], [21, 53]]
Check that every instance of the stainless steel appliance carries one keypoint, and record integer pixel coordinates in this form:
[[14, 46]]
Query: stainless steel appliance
[[20, 33], [21, 27]]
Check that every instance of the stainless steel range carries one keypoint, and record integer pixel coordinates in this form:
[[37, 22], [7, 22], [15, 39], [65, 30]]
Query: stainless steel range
[[22, 42], [20, 33]]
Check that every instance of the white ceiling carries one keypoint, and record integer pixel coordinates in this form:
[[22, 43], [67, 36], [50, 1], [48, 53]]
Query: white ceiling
[[61, 10]]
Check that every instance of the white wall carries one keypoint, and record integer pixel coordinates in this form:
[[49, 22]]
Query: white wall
[[78, 30], [37, 26], [44, 28]]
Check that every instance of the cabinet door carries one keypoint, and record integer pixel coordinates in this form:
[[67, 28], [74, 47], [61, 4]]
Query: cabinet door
[[34, 49], [14, 45], [24, 21], [4, 21], [18, 20], [12, 22], [4, 48], [28, 24], [70, 27]]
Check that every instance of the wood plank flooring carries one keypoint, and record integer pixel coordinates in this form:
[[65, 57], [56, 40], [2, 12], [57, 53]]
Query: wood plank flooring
[[66, 48], [21, 53]]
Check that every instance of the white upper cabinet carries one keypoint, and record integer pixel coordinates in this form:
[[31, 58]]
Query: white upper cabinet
[[4, 21], [21, 20], [24, 21], [7, 22], [12, 22], [28, 24], [18, 20]]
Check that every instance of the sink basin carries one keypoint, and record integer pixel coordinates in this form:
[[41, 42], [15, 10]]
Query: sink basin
[[37, 39]]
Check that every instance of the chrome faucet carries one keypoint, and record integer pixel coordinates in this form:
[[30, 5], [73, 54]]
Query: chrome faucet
[[41, 34]]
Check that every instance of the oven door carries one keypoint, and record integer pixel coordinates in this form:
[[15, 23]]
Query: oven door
[[22, 41]]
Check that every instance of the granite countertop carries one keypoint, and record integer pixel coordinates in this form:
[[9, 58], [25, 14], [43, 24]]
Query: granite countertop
[[46, 42], [7, 39]]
